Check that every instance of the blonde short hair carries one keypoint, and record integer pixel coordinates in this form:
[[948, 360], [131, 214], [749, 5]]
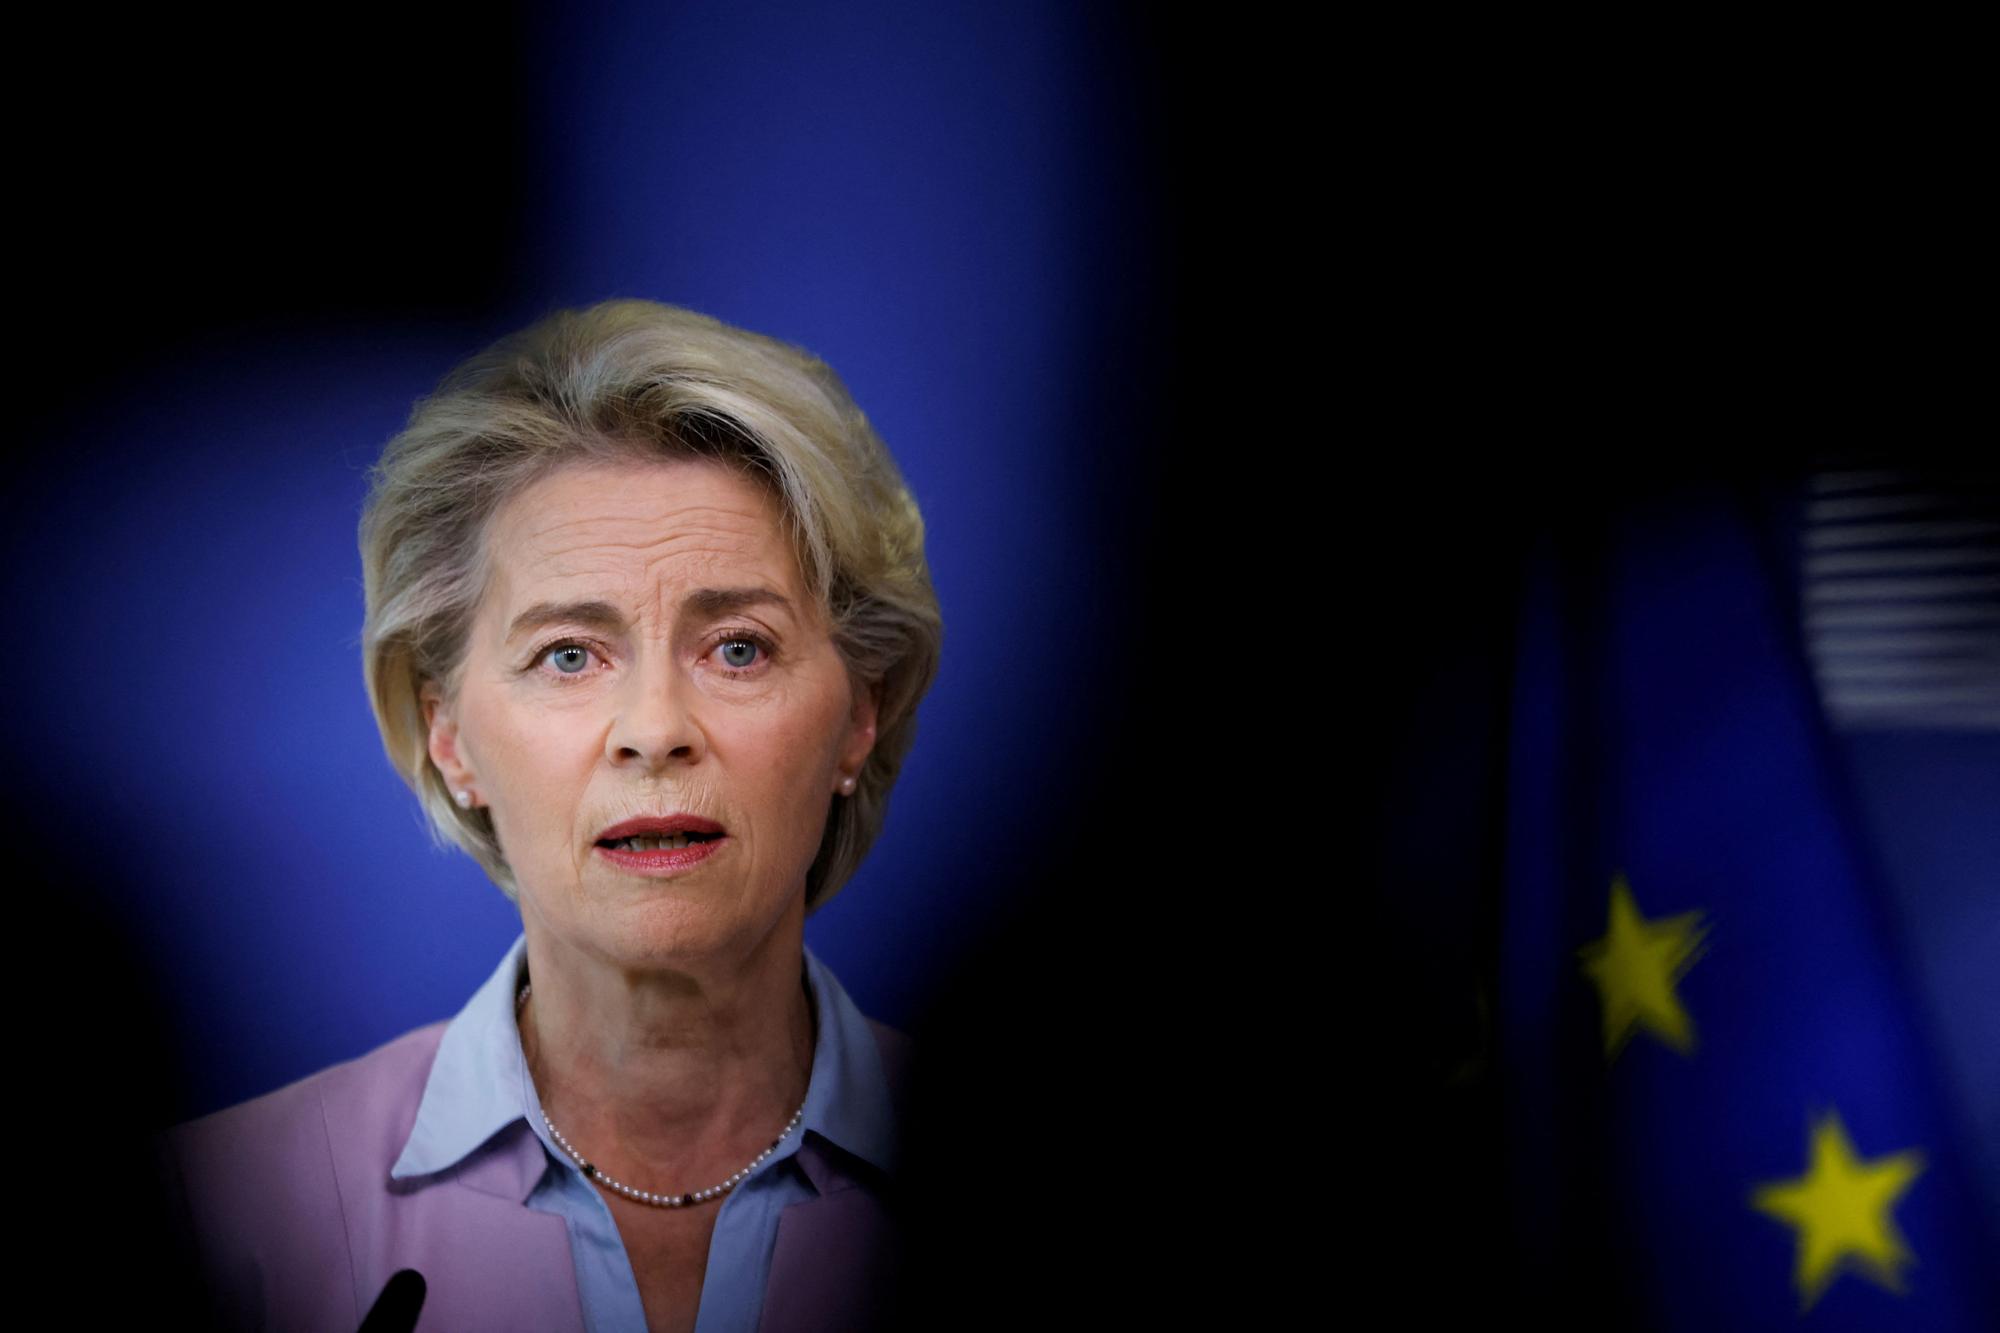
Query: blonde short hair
[[636, 380]]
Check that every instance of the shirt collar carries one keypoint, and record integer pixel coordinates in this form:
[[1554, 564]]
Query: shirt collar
[[479, 1083]]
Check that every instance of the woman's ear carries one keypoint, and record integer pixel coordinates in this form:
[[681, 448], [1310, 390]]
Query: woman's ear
[[862, 717], [443, 742]]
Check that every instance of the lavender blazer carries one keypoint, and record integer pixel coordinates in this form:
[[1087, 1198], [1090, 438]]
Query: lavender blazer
[[294, 1221]]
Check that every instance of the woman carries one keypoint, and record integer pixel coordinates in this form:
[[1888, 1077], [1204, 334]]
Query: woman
[[648, 620]]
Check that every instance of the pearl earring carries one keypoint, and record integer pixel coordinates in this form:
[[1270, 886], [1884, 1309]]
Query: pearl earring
[[847, 786], [464, 800]]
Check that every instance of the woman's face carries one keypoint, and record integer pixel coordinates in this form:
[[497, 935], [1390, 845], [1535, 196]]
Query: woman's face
[[647, 647]]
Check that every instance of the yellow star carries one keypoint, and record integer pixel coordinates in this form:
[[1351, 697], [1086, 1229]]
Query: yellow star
[[1636, 965], [1840, 1208]]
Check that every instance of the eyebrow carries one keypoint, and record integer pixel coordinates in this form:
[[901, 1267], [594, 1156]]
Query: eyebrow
[[603, 616]]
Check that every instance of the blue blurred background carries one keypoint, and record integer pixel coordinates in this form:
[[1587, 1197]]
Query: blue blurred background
[[957, 207]]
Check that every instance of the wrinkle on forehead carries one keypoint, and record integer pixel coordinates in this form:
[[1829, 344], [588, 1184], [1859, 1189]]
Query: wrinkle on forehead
[[560, 547], [586, 521]]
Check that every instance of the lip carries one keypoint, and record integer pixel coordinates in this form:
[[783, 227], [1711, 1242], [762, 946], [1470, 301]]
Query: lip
[[666, 861], [659, 826]]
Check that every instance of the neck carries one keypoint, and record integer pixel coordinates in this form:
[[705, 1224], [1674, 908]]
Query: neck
[[669, 1074]]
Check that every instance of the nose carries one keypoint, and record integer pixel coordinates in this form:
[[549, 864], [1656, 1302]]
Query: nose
[[655, 725]]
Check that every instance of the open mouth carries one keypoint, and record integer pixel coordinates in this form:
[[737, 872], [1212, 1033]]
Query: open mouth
[[657, 843]]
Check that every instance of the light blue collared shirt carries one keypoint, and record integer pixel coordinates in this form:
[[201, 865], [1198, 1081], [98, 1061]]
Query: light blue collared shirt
[[479, 1085]]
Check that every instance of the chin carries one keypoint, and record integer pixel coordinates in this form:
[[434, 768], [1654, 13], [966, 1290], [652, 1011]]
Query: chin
[[670, 932]]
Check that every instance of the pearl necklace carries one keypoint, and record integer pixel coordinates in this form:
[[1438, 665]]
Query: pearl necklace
[[644, 1196]]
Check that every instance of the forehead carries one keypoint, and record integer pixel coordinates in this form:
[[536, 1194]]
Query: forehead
[[639, 521]]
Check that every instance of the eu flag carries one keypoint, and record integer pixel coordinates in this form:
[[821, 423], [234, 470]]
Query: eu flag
[[1722, 1109]]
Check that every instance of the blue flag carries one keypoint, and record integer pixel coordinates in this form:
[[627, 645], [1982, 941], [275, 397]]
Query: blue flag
[[1722, 1110]]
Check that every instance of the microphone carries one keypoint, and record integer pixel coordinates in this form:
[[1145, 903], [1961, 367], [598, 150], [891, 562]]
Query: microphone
[[395, 1310]]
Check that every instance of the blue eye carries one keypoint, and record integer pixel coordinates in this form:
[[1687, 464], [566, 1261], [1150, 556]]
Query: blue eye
[[739, 653], [580, 656]]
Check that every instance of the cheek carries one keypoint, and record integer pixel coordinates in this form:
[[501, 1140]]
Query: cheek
[[810, 743], [785, 769], [528, 762]]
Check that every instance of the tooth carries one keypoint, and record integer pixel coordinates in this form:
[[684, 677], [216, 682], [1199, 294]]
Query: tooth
[[655, 843]]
